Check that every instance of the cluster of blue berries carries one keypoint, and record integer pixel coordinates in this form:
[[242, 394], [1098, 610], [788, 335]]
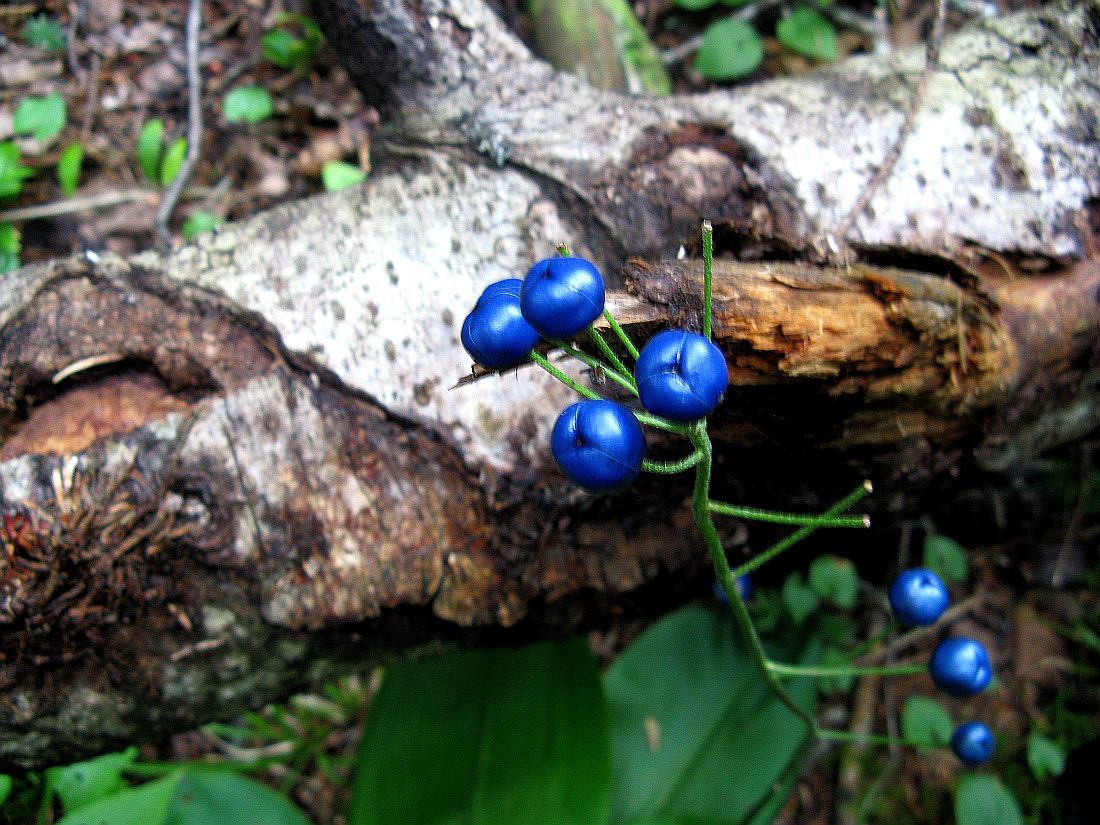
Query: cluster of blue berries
[[680, 376], [959, 666]]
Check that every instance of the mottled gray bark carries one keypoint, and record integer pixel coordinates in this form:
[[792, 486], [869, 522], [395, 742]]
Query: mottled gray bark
[[244, 465]]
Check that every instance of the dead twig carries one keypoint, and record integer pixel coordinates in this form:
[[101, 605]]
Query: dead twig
[[194, 122]]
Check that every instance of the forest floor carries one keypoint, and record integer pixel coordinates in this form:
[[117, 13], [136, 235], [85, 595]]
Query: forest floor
[[121, 65]]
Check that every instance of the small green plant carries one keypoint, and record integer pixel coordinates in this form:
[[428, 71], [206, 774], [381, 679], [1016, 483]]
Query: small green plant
[[43, 32], [43, 118], [337, 175], [293, 42], [68, 168], [199, 222], [12, 171], [251, 104], [9, 247], [159, 164]]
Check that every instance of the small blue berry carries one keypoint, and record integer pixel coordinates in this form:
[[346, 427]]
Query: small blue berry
[[562, 296], [598, 444], [494, 333], [918, 597], [961, 667], [744, 587], [973, 743], [681, 375]]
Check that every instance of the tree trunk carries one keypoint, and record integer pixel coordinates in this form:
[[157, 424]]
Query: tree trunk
[[245, 465]]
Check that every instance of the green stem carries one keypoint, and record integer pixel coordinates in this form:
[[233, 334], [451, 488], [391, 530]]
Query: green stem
[[728, 581], [798, 535], [539, 359], [612, 358], [658, 423], [708, 278], [626, 381], [776, 517], [869, 738], [671, 467], [785, 670], [621, 334]]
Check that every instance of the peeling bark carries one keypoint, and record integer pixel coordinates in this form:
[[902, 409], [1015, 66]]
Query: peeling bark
[[245, 465]]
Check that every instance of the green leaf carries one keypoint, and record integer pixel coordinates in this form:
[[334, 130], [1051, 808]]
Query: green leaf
[[9, 247], [43, 32], [730, 49], [946, 558], [251, 104], [337, 175], [808, 32], [836, 580], [199, 222], [284, 49], [983, 800], [1044, 757], [220, 797], [144, 805], [81, 783], [926, 723], [149, 147], [172, 161], [695, 734], [12, 172], [68, 168], [42, 117], [5, 787], [695, 5], [486, 737], [801, 601]]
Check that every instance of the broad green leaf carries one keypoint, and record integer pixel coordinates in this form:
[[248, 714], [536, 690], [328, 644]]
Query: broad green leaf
[[337, 175], [282, 48], [213, 797], [12, 172], [730, 49], [945, 557], [9, 247], [600, 40], [808, 32], [926, 723], [485, 738], [144, 805], [251, 104], [43, 32], [836, 580], [150, 144], [799, 599], [199, 222], [5, 787], [696, 736], [1044, 757], [983, 800], [81, 783], [42, 117], [68, 168], [695, 5], [172, 161]]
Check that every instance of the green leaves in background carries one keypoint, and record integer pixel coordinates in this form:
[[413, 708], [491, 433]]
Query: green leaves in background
[[600, 40], [81, 783], [807, 32], [983, 800], [172, 161], [695, 734], [10, 247], [43, 32], [337, 175], [41, 117], [1044, 757], [68, 168], [150, 144], [836, 580], [926, 723], [12, 172], [946, 558], [799, 599], [5, 787], [199, 222], [251, 104], [145, 805], [287, 49], [486, 737], [730, 49]]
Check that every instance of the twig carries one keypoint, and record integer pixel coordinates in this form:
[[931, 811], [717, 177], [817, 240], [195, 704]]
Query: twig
[[194, 122], [92, 101], [78, 10], [931, 60], [66, 207], [1057, 575]]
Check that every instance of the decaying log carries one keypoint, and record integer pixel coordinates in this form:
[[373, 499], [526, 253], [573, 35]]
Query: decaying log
[[244, 465]]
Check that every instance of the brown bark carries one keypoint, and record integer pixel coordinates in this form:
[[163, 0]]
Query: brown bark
[[237, 468]]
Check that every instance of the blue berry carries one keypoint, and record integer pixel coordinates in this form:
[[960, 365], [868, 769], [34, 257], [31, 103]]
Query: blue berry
[[562, 296], [681, 375], [744, 587], [494, 333], [598, 444], [918, 597], [961, 667], [973, 743]]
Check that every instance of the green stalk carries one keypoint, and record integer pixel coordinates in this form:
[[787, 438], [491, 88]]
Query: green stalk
[[624, 381], [780, 669], [621, 333], [672, 467], [869, 738], [708, 278], [776, 517], [561, 376], [612, 358]]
